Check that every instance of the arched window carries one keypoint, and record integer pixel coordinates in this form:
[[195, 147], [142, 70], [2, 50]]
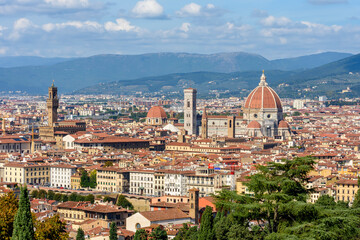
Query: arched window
[[188, 103], [138, 226]]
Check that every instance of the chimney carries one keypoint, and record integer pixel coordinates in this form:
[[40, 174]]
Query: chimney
[[194, 204]]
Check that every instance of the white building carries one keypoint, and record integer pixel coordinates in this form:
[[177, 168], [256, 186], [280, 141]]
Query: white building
[[190, 111], [298, 104], [60, 175], [175, 183], [142, 182], [163, 217], [69, 141]]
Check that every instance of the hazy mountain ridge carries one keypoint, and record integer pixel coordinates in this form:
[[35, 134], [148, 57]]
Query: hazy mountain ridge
[[329, 79], [82, 72]]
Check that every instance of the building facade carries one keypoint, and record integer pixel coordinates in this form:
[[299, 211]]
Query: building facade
[[190, 120]]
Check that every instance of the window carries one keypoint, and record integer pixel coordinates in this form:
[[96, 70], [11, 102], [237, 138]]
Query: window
[[255, 115], [188, 104]]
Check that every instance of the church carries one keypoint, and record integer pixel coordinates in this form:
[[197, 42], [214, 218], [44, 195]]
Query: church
[[262, 116]]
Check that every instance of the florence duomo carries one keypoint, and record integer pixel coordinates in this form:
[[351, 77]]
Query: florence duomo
[[182, 120]]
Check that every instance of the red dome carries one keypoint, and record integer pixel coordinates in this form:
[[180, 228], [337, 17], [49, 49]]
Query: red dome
[[156, 112], [283, 124], [263, 96], [254, 124]]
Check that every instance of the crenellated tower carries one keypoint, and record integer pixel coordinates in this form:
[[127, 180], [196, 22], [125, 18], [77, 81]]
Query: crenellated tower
[[52, 104]]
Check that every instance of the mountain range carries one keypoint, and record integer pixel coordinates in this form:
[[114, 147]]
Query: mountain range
[[33, 74], [329, 79]]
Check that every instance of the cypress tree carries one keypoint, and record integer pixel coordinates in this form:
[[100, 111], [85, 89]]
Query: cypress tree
[[23, 224], [206, 231], [80, 234], [113, 232]]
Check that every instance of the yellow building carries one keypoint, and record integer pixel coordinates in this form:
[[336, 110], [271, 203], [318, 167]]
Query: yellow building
[[29, 173], [112, 179], [75, 181], [346, 190], [241, 187], [80, 211]]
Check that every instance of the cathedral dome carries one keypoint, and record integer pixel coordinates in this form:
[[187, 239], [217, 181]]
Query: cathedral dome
[[283, 124], [263, 97], [156, 112], [254, 124]]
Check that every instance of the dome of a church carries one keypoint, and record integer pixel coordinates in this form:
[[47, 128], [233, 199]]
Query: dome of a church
[[263, 97], [283, 124], [254, 124], [156, 112]]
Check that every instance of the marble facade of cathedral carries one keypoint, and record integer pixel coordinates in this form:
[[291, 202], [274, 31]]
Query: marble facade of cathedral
[[262, 116]]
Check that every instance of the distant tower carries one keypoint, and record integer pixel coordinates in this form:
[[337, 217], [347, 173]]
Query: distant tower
[[231, 127], [204, 127], [194, 205], [52, 104], [190, 111]]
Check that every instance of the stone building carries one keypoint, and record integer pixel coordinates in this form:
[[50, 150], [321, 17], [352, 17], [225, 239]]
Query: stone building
[[156, 116], [54, 131]]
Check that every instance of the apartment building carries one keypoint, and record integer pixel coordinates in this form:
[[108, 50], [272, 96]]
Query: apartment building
[[346, 190], [29, 173], [142, 182], [60, 175], [112, 179]]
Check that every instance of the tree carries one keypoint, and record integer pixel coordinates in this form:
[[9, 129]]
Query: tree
[[108, 164], [73, 197], [158, 234], [92, 179], [140, 234], [23, 224], [90, 198], [206, 231], [50, 195], [113, 232], [84, 179], [64, 198], [52, 228], [57, 197], [279, 209], [42, 193], [326, 201], [34, 193], [107, 199], [123, 202], [9, 206], [356, 202], [186, 233], [80, 234]]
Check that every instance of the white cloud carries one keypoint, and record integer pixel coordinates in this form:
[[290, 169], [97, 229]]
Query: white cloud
[[20, 26], [272, 21], [87, 25], [120, 25], [68, 3], [3, 50], [148, 9], [191, 9], [196, 10], [185, 27]]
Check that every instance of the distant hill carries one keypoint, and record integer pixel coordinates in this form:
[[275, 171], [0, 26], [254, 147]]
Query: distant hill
[[22, 61], [78, 73], [309, 61], [329, 79]]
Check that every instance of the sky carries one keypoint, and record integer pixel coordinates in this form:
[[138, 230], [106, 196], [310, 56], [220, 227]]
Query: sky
[[271, 28]]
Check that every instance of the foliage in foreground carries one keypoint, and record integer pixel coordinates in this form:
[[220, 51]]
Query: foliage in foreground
[[277, 209]]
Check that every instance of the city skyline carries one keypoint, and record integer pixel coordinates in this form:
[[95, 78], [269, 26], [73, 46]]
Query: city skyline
[[274, 29]]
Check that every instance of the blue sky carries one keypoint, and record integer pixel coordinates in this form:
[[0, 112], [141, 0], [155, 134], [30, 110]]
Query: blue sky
[[271, 28]]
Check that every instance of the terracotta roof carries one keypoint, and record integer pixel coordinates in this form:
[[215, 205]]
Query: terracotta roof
[[162, 215], [156, 112], [254, 124], [263, 96]]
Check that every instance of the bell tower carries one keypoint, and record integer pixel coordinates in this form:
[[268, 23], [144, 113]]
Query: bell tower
[[52, 104], [190, 111]]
